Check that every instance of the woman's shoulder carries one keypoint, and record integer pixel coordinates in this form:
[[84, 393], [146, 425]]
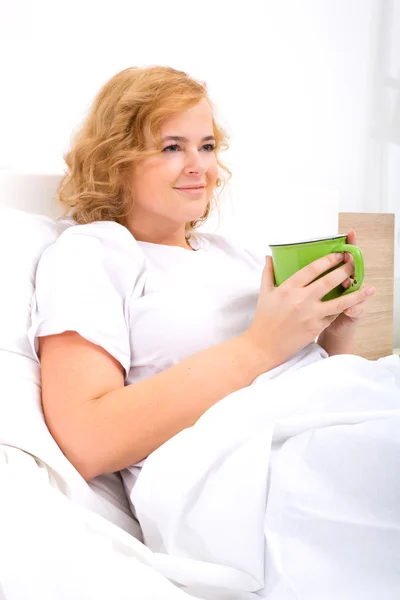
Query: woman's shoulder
[[108, 238], [106, 233], [93, 255]]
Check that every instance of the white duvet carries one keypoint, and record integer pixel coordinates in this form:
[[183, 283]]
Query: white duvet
[[288, 489]]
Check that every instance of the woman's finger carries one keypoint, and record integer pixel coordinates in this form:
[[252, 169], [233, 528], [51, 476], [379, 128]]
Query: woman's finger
[[328, 282], [356, 311], [339, 305], [311, 272], [349, 258], [346, 284], [351, 237]]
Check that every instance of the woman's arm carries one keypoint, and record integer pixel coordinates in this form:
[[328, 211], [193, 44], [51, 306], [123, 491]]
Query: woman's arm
[[336, 344], [102, 426]]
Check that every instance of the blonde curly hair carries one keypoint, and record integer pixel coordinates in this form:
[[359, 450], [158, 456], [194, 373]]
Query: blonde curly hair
[[95, 186]]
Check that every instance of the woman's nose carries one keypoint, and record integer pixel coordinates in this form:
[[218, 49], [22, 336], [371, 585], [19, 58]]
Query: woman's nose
[[195, 163]]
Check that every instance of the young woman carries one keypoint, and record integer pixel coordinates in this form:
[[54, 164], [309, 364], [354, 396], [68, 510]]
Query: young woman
[[141, 323]]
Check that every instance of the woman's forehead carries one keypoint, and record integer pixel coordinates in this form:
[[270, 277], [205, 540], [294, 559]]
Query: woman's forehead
[[192, 124], [195, 119]]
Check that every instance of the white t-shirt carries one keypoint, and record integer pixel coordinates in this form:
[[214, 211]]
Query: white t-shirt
[[148, 305]]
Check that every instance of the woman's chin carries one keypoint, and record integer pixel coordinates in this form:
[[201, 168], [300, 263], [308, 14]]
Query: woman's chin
[[194, 216], [195, 213]]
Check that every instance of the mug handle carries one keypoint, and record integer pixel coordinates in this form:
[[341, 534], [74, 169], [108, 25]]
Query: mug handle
[[358, 266]]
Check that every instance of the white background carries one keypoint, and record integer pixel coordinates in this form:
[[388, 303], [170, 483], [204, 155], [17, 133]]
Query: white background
[[308, 90]]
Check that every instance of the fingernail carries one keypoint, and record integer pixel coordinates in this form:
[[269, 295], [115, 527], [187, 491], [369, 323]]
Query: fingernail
[[370, 291], [339, 255]]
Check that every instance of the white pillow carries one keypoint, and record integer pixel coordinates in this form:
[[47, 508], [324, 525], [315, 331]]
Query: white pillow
[[23, 238]]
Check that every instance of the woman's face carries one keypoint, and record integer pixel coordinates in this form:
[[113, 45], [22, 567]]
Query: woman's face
[[174, 186]]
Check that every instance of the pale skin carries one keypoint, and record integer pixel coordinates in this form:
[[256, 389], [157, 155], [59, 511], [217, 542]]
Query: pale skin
[[102, 425], [339, 336], [162, 207]]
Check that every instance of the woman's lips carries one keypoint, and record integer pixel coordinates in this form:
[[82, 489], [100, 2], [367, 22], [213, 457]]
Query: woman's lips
[[192, 191]]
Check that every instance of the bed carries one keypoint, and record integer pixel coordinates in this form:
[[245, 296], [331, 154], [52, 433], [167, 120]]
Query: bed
[[84, 534]]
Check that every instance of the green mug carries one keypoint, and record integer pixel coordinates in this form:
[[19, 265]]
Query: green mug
[[290, 258]]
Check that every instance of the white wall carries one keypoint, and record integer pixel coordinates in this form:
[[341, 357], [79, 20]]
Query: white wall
[[292, 80], [291, 77]]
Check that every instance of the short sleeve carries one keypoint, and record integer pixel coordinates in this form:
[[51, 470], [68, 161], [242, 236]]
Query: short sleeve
[[84, 282]]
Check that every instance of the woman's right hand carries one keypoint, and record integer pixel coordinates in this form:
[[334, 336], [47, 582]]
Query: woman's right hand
[[291, 316]]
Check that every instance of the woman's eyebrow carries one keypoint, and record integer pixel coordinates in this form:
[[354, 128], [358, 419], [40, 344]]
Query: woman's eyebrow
[[179, 138]]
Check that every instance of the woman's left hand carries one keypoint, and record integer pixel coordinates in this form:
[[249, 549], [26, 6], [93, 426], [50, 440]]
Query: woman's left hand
[[338, 337]]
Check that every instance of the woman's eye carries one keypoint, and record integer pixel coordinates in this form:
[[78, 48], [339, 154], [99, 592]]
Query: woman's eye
[[176, 148]]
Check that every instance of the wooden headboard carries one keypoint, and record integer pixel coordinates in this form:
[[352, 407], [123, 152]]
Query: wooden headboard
[[375, 236]]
